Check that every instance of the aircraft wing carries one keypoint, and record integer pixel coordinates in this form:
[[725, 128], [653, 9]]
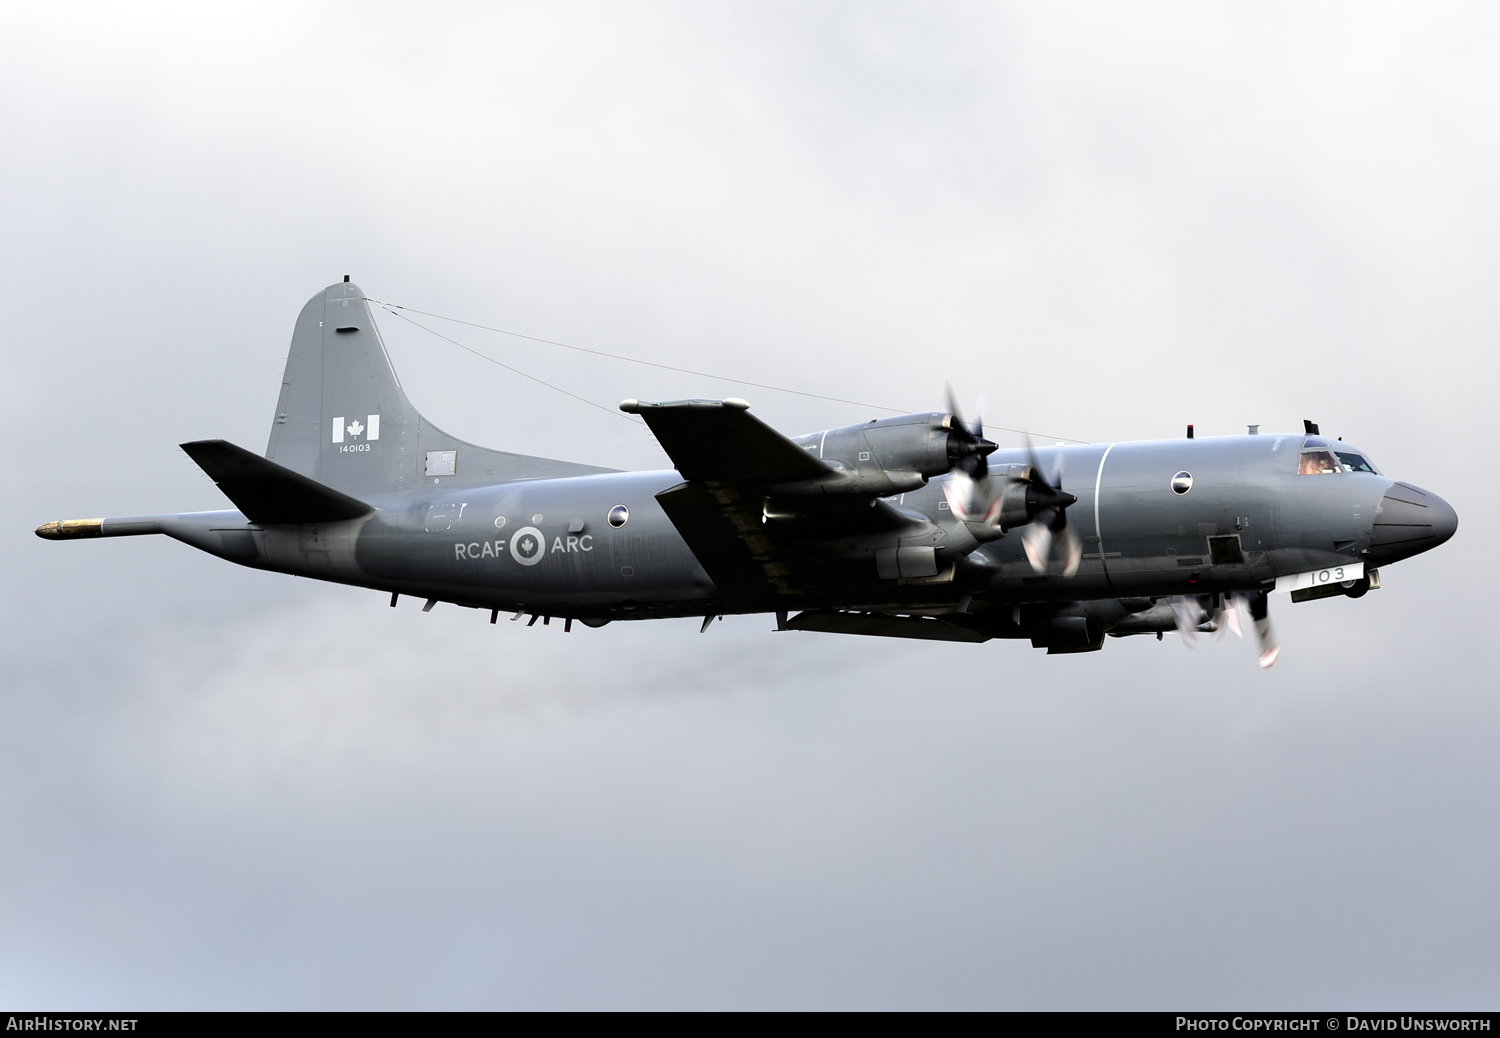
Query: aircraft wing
[[721, 441], [267, 492], [729, 458], [725, 537]]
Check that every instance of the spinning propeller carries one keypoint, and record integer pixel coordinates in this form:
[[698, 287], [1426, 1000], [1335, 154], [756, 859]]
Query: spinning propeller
[[972, 496], [967, 447], [1228, 612], [1049, 526], [989, 506]]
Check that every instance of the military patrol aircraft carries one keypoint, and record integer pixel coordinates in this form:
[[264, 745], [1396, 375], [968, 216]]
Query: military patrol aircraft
[[907, 527]]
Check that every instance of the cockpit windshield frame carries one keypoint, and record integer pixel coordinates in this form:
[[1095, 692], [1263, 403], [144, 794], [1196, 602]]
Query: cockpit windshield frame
[[1320, 457], [1318, 463]]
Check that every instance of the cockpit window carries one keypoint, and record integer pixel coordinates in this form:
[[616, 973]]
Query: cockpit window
[[1317, 463], [1313, 441], [1355, 463]]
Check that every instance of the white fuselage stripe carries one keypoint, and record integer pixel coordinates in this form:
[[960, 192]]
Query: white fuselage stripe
[[1098, 480]]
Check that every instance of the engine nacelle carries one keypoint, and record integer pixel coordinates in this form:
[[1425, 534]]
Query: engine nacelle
[[1018, 503], [880, 457]]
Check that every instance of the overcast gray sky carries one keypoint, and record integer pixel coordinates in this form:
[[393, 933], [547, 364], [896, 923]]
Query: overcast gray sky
[[225, 788]]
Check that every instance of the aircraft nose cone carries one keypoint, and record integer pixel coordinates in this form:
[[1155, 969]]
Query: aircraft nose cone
[[1444, 520], [1408, 522]]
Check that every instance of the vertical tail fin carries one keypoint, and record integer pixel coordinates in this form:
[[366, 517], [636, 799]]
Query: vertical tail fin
[[344, 420]]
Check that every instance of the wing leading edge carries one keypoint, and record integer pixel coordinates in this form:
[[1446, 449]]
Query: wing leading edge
[[720, 441]]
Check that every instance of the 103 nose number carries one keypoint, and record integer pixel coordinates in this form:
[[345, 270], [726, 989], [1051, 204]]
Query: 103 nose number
[[1320, 577]]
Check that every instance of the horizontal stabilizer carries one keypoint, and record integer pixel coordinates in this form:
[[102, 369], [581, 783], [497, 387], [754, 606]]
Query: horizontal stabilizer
[[268, 493], [721, 441]]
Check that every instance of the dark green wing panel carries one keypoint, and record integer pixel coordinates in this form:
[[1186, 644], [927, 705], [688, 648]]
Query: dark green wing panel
[[268, 493]]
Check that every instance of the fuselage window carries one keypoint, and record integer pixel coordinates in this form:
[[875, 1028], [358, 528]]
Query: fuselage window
[[1313, 441], [1317, 463], [1355, 463]]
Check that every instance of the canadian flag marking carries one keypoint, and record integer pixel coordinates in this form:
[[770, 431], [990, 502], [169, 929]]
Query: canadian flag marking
[[370, 427]]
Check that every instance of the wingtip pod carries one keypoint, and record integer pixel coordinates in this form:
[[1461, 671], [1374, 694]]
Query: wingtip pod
[[69, 529], [733, 403]]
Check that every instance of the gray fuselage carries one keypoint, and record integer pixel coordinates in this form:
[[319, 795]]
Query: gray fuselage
[[853, 529], [547, 545]]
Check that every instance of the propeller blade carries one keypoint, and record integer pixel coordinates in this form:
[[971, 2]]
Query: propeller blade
[[1049, 526], [1037, 540], [1072, 551], [1235, 607], [959, 490], [1219, 613], [1031, 459], [996, 502], [1265, 633], [1270, 648], [953, 405], [1188, 614], [967, 447]]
